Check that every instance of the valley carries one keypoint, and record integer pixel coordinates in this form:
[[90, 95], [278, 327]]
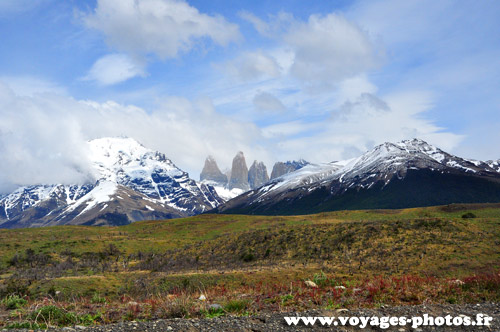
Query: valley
[[252, 264]]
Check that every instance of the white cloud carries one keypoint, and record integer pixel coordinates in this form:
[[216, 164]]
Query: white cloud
[[311, 57], [30, 86], [265, 101], [260, 25], [286, 130], [115, 68], [253, 66], [37, 140], [273, 27], [329, 49], [351, 88], [42, 142], [361, 124], [365, 105], [42, 138], [161, 27]]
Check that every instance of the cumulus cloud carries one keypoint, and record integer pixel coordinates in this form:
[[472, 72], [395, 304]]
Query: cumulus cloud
[[330, 48], [359, 125], [115, 68], [351, 88], [265, 101], [260, 25], [161, 27], [366, 104], [271, 28], [42, 137], [320, 52], [253, 66], [37, 145]]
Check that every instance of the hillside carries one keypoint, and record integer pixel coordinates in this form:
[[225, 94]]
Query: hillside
[[248, 265], [161, 235]]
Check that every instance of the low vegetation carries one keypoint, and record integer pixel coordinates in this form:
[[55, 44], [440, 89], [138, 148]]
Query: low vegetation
[[213, 265]]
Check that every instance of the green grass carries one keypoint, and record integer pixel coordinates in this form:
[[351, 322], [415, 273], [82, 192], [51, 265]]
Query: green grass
[[265, 257], [236, 306], [14, 302], [169, 234], [175, 235]]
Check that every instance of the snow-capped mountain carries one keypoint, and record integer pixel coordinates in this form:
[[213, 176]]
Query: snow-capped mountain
[[223, 191], [132, 183], [239, 180], [242, 179], [404, 174], [212, 176], [494, 164], [282, 168]]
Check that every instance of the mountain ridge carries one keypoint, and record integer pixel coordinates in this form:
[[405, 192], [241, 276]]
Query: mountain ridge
[[132, 183], [136, 183], [341, 185], [233, 183]]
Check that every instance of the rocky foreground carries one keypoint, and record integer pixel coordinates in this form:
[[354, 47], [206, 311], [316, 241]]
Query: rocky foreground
[[276, 322]]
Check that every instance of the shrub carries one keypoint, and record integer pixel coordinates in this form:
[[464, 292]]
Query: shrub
[[177, 309], [89, 319], [248, 257], [15, 286], [14, 302], [110, 250], [52, 315], [213, 313], [97, 299], [468, 215], [320, 279], [286, 298], [26, 325], [236, 306]]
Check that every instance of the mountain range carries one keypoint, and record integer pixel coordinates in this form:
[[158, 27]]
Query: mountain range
[[410, 173], [132, 183], [239, 178]]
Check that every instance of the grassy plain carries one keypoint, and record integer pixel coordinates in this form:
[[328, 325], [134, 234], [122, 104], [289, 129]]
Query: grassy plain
[[154, 269]]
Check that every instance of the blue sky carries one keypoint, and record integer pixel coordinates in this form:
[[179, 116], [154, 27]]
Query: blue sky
[[279, 80]]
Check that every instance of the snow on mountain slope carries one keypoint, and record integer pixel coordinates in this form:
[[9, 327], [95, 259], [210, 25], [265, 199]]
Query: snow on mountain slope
[[494, 164], [306, 176], [101, 193], [222, 191], [118, 164], [379, 166], [125, 161], [25, 198], [118, 159], [388, 160]]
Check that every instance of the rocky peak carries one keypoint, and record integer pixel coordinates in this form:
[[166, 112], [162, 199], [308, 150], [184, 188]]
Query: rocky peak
[[282, 168], [257, 174], [211, 172], [239, 173], [227, 172]]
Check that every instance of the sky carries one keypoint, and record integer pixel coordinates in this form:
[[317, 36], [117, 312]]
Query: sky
[[278, 80]]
